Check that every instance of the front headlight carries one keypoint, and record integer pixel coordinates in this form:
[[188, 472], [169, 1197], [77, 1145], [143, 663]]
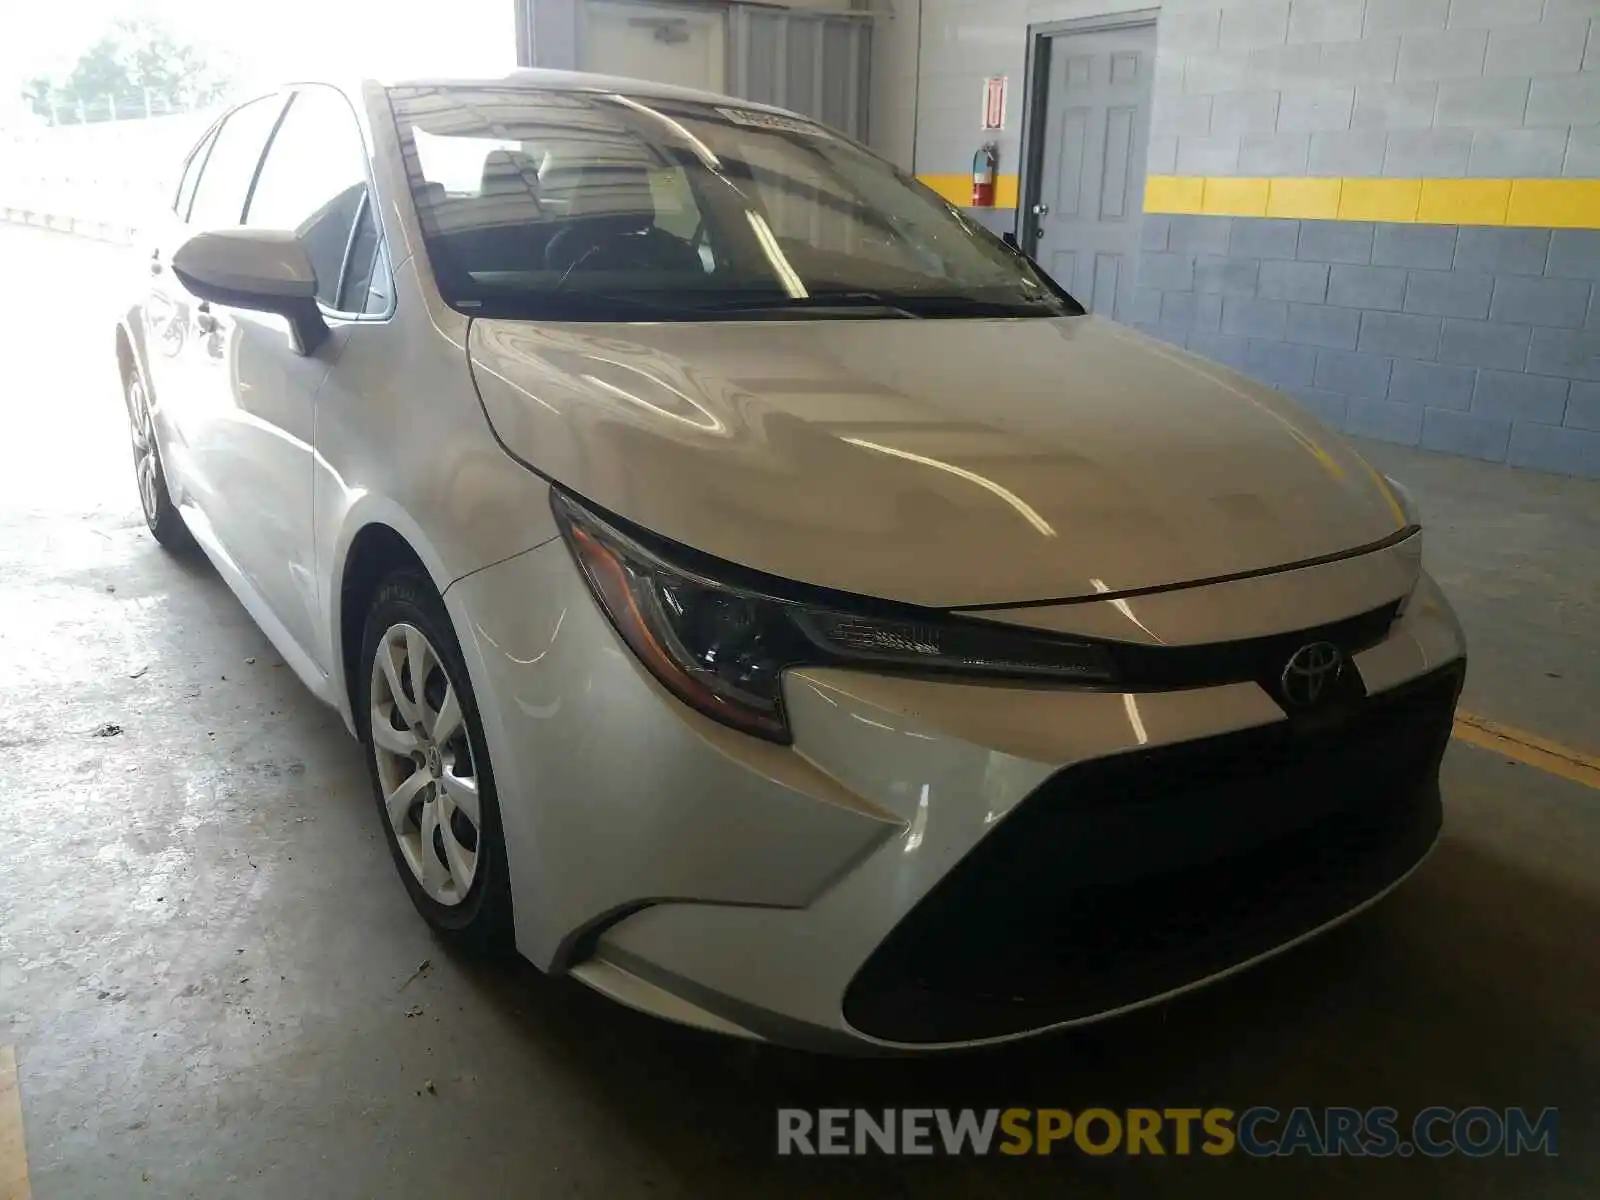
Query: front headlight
[[1402, 495], [1408, 509], [722, 646]]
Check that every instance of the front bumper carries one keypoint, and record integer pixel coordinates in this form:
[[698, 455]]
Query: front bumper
[[938, 864], [1132, 877]]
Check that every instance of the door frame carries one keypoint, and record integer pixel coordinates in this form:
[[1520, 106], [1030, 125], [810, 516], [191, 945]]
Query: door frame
[[1035, 110]]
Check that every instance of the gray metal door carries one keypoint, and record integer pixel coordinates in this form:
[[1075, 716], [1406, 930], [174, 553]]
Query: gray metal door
[[1091, 189]]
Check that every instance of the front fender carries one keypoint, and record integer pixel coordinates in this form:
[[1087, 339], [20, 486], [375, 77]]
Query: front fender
[[401, 441], [362, 511], [130, 326]]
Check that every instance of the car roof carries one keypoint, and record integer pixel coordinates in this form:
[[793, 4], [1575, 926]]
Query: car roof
[[538, 79]]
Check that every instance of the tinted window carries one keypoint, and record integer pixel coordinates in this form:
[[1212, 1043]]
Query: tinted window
[[382, 286], [314, 182], [225, 180], [366, 274], [598, 206], [191, 175]]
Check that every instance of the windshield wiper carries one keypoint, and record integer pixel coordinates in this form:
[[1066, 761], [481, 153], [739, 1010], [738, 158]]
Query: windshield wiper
[[917, 305], [940, 305], [690, 305], [581, 306], [856, 302]]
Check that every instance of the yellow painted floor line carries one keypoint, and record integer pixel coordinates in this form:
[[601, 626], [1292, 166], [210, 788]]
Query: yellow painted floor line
[[13, 1152], [1537, 752]]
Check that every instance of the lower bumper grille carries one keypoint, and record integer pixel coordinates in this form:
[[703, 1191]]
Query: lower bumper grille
[[1125, 878]]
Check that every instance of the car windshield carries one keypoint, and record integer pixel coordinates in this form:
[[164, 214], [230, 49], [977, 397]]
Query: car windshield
[[591, 205]]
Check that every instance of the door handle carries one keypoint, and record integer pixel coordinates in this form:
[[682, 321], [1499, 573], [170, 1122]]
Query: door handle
[[1041, 210]]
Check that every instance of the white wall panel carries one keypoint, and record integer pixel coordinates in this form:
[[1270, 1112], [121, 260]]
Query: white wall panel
[[963, 43]]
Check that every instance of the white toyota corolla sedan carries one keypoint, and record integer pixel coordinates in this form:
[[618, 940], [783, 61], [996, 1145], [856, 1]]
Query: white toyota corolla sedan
[[762, 593]]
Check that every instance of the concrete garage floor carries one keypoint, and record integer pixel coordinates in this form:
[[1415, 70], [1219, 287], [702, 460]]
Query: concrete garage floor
[[209, 971]]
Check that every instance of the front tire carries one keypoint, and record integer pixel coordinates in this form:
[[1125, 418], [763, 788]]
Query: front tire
[[160, 514], [429, 766]]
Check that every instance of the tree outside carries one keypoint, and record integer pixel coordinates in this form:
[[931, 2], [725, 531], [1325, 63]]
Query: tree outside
[[138, 69]]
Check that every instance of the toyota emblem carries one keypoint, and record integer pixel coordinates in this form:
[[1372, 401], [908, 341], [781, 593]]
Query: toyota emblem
[[1311, 673]]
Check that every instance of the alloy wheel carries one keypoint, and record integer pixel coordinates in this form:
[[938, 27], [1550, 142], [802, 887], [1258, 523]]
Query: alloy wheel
[[425, 765], [146, 464]]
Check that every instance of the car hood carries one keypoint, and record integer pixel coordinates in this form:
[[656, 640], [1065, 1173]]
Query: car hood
[[936, 462]]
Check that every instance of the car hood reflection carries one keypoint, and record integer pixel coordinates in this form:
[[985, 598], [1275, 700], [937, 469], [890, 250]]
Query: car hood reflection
[[938, 462]]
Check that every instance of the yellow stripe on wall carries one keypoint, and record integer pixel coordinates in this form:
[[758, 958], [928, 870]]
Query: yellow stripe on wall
[[1304, 198], [1234, 197], [1558, 203], [1538, 203], [958, 189], [1464, 201], [1174, 193]]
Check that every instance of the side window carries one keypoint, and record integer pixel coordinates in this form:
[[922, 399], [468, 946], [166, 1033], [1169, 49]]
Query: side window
[[191, 175], [225, 179], [314, 182], [365, 287], [673, 198], [381, 287]]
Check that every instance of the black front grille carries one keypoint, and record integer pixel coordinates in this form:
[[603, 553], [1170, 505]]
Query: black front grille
[[1127, 877], [1251, 660]]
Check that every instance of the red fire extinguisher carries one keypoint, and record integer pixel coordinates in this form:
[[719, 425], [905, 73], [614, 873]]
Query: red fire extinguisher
[[984, 165]]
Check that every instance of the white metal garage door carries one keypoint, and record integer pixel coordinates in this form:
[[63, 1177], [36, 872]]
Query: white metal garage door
[[682, 46], [815, 63], [818, 65]]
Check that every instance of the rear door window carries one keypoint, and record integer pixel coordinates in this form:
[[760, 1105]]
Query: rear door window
[[191, 175]]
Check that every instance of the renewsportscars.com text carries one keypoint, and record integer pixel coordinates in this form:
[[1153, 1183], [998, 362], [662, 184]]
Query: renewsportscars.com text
[[1259, 1132]]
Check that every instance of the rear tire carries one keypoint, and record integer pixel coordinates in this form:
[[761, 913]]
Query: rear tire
[[149, 473], [429, 767]]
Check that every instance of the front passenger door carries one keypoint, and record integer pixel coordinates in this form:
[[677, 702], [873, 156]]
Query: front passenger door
[[312, 182]]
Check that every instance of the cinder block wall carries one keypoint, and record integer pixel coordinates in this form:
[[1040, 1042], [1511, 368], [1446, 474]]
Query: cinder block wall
[[1359, 212], [1390, 208]]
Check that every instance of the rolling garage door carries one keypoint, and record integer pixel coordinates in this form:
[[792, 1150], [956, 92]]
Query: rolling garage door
[[815, 63]]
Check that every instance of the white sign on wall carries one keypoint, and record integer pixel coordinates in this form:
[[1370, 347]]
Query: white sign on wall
[[994, 102]]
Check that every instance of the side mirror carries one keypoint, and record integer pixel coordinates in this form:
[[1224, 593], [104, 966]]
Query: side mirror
[[262, 269]]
